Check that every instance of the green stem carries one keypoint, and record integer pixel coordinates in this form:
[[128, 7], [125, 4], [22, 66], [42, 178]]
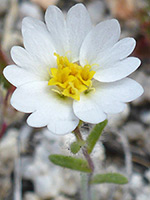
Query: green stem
[[89, 160]]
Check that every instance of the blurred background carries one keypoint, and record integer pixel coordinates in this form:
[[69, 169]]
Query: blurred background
[[25, 171]]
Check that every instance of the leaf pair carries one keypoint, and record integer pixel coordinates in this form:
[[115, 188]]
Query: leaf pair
[[82, 166], [91, 140], [77, 163]]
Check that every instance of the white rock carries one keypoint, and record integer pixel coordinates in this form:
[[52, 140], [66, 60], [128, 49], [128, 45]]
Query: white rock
[[102, 190], [43, 187], [134, 131], [98, 155], [48, 186], [49, 135], [127, 196], [136, 182], [57, 180], [5, 185], [147, 175], [145, 117], [32, 169], [8, 145], [51, 143], [118, 119], [49, 180], [8, 153], [61, 198], [31, 196], [98, 152], [65, 143], [142, 197], [146, 190], [70, 181]]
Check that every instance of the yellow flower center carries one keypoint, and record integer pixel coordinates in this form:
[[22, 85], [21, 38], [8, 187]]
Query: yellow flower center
[[70, 79]]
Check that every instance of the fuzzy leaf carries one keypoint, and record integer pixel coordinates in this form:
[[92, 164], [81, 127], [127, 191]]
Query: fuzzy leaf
[[75, 147], [94, 135], [109, 178], [70, 162]]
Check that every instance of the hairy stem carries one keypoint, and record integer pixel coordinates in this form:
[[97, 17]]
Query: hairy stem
[[89, 160]]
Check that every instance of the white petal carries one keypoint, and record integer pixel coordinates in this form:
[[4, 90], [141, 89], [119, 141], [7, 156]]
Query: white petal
[[64, 122], [57, 115], [37, 40], [78, 25], [125, 90], [38, 119], [119, 51], [30, 62], [27, 98], [117, 71], [48, 109], [108, 98], [121, 91], [88, 111], [56, 25], [22, 58], [18, 76], [102, 37]]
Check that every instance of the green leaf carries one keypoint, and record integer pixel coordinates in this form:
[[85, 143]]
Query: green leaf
[[3, 64], [70, 162], [109, 178], [4, 82], [75, 147], [94, 135]]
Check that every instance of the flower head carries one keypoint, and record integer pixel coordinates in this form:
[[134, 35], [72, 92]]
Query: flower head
[[69, 78], [71, 71]]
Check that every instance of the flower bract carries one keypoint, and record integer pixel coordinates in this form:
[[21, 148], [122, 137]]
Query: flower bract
[[69, 70]]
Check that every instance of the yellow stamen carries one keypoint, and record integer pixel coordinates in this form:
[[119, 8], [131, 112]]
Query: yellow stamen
[[71, 78]]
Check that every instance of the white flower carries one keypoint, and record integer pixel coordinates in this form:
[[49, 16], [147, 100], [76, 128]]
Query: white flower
[[71, 71]]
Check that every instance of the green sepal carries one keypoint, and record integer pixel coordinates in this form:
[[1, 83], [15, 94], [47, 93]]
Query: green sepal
[[109, 178], [70, 162], [94, 136]]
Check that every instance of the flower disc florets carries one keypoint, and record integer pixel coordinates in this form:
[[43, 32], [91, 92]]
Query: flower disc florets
[[70, 78]]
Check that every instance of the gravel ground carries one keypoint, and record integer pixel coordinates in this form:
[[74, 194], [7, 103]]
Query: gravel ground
[[25, 171]]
